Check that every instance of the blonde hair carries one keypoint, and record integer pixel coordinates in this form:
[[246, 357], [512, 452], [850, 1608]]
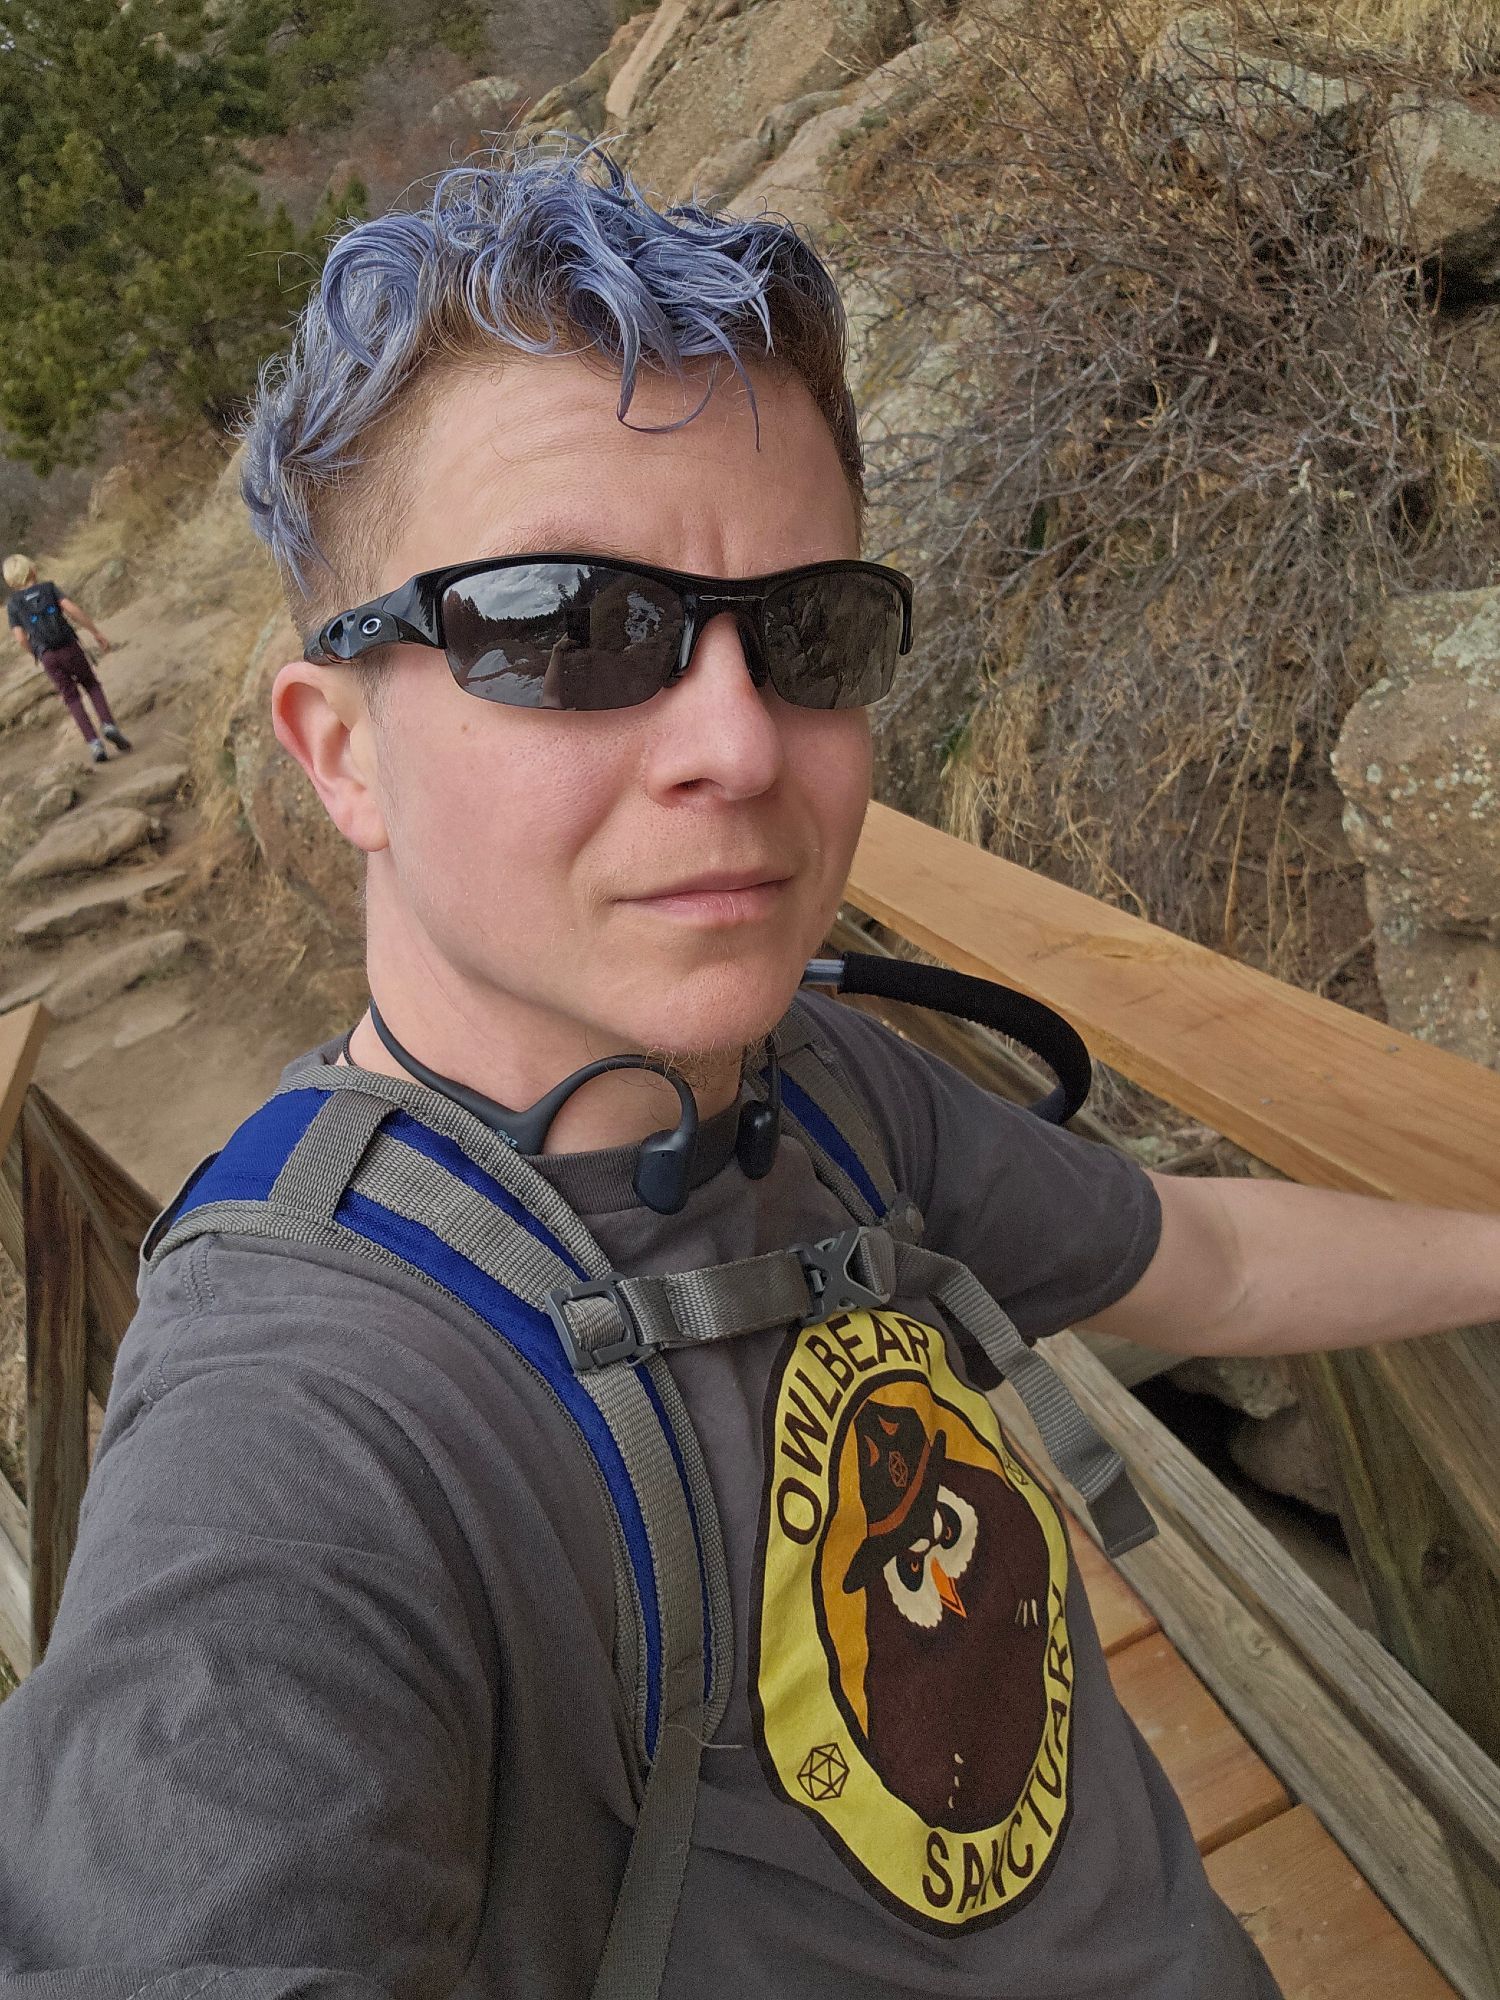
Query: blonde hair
[[18, 570]]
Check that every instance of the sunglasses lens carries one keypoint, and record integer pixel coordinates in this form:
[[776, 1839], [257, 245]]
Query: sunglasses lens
[[562, 635], [832, 639]]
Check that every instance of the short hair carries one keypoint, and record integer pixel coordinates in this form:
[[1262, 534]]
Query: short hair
[[547, 253], [17, 571]]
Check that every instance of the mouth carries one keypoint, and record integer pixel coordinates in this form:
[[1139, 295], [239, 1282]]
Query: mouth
[[719, 897]]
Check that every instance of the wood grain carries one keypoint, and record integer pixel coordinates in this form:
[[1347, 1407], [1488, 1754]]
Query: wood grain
[[1324, 1094], [56, 1370], [22, 1032], [1304, 1731], [1322, 1929], [1225, 1788]]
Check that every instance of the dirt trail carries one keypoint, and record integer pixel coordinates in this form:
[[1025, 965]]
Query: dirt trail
[[162, 1071]]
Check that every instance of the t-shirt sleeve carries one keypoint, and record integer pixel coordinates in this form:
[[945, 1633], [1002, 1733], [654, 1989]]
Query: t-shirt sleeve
[[262, 1737], [1056, 1227], [13, 613]]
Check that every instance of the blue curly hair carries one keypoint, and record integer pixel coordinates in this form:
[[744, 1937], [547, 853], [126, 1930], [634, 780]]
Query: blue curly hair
[[551, 252]]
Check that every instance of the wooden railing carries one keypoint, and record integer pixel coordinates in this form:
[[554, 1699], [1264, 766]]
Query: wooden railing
[[1394, 1749], [71, 1221], [1336, 1100]]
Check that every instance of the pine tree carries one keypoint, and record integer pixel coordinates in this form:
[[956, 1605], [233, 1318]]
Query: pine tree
[[137, 261]]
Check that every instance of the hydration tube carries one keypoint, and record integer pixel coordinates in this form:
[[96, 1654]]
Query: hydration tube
[[982, 1001]]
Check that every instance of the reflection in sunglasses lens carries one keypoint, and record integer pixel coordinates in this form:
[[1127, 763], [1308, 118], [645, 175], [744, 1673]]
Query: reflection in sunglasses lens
[[562, 635]]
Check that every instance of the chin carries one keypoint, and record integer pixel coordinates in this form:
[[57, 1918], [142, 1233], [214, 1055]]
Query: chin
[[716, 1009]]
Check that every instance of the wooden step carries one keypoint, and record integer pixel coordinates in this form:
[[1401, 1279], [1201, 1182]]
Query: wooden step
[[1224, 1787], [1322, 1928]]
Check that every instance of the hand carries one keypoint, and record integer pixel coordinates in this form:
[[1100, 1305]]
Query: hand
[[103, 644]]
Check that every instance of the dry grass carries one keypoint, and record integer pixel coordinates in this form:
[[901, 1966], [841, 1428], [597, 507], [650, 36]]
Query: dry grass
[[1205, 428]]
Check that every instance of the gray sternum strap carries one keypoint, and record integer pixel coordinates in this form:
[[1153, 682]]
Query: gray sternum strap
[[631, 1319]]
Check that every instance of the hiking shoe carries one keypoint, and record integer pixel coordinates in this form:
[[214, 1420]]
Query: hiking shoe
[[97, 751], [112, 735]]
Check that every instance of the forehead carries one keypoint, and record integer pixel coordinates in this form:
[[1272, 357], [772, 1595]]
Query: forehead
[[532, 455]]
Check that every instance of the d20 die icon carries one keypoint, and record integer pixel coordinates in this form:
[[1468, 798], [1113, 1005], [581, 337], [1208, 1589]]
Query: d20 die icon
[[824, 1772]]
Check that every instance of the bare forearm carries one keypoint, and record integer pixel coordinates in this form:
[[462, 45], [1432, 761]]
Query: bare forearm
[[1267, 1267]]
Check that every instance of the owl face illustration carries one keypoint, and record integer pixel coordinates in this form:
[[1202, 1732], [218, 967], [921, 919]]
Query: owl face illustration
[[923, 1579]]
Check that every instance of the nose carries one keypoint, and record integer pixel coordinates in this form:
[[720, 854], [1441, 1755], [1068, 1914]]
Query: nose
[[716, 731]]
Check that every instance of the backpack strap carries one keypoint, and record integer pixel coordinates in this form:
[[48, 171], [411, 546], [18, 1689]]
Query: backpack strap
[[348, 1159], [851, 1160]]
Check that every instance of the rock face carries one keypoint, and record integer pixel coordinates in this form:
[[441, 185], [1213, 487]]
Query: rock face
[[114, 972], [24, 694], [717, 75], [84, 840], [1418, 762], [290, 827]]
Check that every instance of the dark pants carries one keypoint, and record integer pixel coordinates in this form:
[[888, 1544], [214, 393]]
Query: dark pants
[[71, 672]]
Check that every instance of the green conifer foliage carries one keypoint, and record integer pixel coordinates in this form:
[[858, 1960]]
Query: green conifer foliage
[[137, 262]]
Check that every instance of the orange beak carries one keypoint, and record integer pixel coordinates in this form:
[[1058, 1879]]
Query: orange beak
[[947, 1589]]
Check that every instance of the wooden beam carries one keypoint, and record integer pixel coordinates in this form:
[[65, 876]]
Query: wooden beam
[[1320, 1092], [22, 1032], [15, 1590], [56, 1371], [117, 1212], [1317, 1697]]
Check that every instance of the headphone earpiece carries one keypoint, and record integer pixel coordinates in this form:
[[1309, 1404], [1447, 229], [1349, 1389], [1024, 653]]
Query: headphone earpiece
[[756, 1140], [664, 1167], [759, 1131]]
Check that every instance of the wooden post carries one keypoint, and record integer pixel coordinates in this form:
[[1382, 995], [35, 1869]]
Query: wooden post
[[56, 1372], [1431, 1590]]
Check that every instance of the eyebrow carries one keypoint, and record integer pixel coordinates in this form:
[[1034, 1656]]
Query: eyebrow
[[547, 538]]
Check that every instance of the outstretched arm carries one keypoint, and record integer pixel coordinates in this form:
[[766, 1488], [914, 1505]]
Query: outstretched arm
[[76, 615], [1268, 1267]]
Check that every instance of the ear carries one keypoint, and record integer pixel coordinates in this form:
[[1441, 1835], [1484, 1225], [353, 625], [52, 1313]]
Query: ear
[[321, 718]]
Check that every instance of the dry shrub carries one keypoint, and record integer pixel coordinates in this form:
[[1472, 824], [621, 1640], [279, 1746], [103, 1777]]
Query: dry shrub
[[1208, 426]]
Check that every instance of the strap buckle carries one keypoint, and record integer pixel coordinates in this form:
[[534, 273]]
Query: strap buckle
[[632, 1344], [831, 1281]]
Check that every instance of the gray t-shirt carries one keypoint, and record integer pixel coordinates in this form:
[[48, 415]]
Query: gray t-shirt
[[330, 1704]]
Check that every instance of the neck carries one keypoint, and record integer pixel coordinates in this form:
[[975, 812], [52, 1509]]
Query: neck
[[513, 1052]]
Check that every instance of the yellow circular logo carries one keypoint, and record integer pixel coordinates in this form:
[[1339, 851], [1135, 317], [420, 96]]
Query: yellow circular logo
[[911, 1671]]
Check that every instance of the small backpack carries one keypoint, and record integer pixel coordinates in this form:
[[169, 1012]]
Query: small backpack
[[42, 618], [410, 1180]]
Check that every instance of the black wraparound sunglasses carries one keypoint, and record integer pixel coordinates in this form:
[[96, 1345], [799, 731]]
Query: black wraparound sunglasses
[[591, 632]]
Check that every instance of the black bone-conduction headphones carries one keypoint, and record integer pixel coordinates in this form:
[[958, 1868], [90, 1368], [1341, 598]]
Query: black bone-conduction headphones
[[664, 1162]]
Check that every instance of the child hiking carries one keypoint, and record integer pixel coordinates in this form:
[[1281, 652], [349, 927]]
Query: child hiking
[[43, 621]]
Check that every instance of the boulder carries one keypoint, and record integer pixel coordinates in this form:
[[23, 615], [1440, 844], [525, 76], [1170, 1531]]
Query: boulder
[[95, 903], [84, 840], [580, 107], [488, 104], [151, 1013], [114, 972], [1435, 185], [1221, 83], [1282, 1453], [149, 785], [1258, 1385], [53, 801], [25, 693], [296, 839], [32, 987], [1418, 761]]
